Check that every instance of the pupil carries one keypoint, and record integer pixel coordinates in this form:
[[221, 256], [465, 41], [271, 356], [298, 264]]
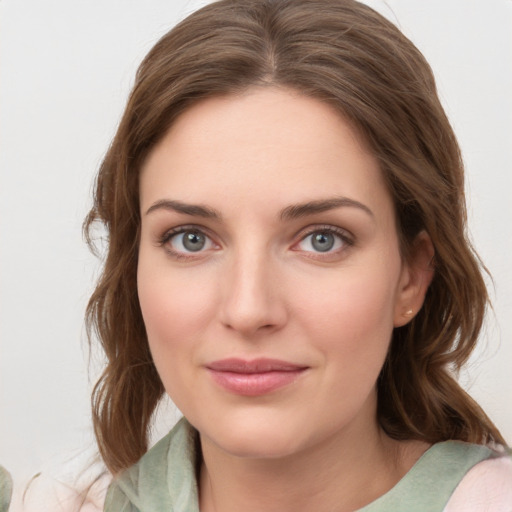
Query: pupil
[[193, 241], [323, 241]]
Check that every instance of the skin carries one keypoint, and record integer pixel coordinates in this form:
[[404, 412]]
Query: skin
[[259, 287]]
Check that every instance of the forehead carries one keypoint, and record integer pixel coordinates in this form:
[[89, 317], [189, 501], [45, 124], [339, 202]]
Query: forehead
[[268, 143]]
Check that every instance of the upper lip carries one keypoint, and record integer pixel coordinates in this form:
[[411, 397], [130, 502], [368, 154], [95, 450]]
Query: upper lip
[[261, 365]]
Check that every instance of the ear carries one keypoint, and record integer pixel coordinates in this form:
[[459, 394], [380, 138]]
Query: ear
[[416, 276]]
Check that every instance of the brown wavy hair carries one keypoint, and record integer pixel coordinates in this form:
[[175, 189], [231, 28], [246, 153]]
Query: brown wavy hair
[[345, 54]]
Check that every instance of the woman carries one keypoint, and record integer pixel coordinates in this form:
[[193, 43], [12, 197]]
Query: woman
[[287, 259]]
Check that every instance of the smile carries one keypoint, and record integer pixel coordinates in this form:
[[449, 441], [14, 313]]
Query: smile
[[254, 378]]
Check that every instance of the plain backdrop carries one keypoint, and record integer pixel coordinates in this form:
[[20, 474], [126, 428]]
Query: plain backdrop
[[66, 69]]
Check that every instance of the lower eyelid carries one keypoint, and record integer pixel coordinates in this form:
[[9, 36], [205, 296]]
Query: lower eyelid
[[338, 241]]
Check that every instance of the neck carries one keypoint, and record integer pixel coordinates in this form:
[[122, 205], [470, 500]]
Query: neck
[[343, 473]]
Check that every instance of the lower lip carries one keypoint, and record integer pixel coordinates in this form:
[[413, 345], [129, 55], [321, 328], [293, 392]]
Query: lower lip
[[255, 384]]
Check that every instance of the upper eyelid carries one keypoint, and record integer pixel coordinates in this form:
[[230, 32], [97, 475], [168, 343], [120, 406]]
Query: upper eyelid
[[184, 228], [324, 227]]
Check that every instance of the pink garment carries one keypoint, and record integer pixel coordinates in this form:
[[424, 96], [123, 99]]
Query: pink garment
[[487, 487]]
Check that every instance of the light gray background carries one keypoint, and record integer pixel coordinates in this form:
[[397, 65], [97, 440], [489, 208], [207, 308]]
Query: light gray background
[[66, 69]]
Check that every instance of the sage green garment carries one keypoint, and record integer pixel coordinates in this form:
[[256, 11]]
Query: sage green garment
[[5, 489], [164, 480]]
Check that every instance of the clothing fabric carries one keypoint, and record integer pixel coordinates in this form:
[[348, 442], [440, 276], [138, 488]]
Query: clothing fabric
[[486, 487], [5, 489], [165, 478]]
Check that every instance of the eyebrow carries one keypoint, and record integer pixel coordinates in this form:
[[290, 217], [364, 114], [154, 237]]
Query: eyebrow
[[294, 211], [195, 210], [297, 211]]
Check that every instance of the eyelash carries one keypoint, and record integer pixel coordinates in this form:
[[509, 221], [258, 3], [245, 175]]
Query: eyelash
[[169, 235], [346, 239]]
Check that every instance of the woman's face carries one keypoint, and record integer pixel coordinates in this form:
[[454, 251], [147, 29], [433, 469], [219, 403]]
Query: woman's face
[[269, 275]]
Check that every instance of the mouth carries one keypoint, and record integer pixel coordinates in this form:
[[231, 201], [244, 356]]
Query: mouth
[[256, 377]]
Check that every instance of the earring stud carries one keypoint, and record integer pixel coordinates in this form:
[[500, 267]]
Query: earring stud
[[409, 312]]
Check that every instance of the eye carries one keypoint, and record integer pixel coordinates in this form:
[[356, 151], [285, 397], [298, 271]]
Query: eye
[[323, 241], [186, 241]]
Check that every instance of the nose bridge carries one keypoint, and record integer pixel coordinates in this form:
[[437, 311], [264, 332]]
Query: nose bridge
[[251, 300]]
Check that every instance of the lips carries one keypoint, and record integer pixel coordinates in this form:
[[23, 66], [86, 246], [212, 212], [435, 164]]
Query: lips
[[256, 377]]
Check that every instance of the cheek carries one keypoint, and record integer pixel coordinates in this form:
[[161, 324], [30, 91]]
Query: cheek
[[169, 299], [349, 318], [176, 308], [353, 301]]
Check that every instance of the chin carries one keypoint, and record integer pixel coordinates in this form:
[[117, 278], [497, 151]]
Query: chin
[[257, 445], [256, 436]]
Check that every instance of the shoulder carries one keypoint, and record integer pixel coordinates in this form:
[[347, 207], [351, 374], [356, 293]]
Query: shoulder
[[443, 478], [127, 490], [177, 447], [486, 486], [163, 476]]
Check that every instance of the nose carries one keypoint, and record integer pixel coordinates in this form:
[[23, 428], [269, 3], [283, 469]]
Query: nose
[[253, 301]]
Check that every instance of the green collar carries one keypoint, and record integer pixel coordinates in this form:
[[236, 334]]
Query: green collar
[[165, 478]]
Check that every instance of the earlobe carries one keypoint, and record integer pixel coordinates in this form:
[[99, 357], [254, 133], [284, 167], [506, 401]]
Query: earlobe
[[416, 277]]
